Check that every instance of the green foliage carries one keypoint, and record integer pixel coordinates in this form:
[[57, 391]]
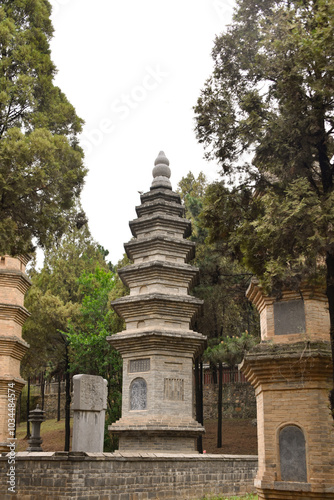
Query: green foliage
[[192, 191], [41, 169], [33, 399], [87, 335], [296, 252], [189, 185], [49, 315], [271, 89], [222, 281], [71, 317], [230, 350], [64, 263], [271, 97], [54, 298], [90, 353]]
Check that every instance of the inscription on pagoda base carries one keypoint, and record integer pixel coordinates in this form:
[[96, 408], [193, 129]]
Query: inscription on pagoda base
[[174, 389], [139, 365]]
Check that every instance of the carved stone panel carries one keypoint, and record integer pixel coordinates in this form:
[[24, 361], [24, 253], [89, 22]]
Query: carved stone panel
[[292, 454], [139, 365], [138, 394], [90, 393], [289, 317], [174, 389]]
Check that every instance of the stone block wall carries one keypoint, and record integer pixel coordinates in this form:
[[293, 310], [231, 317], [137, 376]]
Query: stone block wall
[[129, 476], [51, 405], [238, 401]]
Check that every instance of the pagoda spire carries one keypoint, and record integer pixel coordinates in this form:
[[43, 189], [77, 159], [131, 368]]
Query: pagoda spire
[[161, 172]]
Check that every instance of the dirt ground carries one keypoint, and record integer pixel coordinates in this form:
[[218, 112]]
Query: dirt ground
[[238, 436]]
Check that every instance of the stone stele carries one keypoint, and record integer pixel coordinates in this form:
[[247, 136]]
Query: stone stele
[[89, 406]]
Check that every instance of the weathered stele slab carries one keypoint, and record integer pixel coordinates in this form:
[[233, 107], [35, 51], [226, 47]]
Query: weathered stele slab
[[291, 371], [13, 285], [158, 345], [89, 407]]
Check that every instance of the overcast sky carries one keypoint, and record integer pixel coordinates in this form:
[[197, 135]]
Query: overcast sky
[[133, 70]]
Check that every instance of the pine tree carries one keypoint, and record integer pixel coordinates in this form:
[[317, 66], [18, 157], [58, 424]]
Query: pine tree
[[267, 113], [41, 167]]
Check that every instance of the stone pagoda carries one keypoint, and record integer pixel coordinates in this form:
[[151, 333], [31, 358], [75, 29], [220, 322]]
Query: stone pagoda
[[13, 285], [291, 371], [158, 346]]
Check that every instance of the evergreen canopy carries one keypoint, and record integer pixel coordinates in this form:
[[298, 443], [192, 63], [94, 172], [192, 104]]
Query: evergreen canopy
[[41, 169], [267, 115]]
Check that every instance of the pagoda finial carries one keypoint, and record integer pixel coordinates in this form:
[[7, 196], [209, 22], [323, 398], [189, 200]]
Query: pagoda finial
[[161, 172]]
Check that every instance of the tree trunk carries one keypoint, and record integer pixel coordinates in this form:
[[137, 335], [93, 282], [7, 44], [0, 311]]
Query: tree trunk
[[67, 401], [201, 420], [58, 407], [28, 410], [330, 296], [199, 406], [213, 367], [220, 406], [42, 390]]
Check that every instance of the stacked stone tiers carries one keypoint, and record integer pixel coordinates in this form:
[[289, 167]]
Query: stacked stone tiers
[[158, 345], [298, 315], [291, 371], [13, 286], [160, 248]]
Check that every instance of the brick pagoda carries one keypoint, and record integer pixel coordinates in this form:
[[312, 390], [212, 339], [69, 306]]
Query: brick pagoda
[[291, 372], [158, 347], [13, 286]]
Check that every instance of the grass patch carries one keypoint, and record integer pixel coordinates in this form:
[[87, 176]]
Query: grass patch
[[52, 433], [47, 426]]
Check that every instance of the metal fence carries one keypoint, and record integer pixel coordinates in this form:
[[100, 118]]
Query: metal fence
[[230, 376]]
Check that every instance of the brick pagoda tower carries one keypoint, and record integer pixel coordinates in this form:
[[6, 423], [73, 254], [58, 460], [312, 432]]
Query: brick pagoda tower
[[158, 347], [291, 372], [13, 286]]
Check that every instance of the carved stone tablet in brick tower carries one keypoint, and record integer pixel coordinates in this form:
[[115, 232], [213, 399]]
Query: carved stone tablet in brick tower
[[158, 345]]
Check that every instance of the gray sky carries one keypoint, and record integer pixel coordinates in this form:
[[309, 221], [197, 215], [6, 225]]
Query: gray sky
[[134, 70]]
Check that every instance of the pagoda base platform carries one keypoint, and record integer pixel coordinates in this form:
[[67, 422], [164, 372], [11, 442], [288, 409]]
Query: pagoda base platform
[[166, 435], [283, 490]]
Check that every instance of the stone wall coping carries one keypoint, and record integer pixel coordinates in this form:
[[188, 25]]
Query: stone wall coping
[[126, 456]]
